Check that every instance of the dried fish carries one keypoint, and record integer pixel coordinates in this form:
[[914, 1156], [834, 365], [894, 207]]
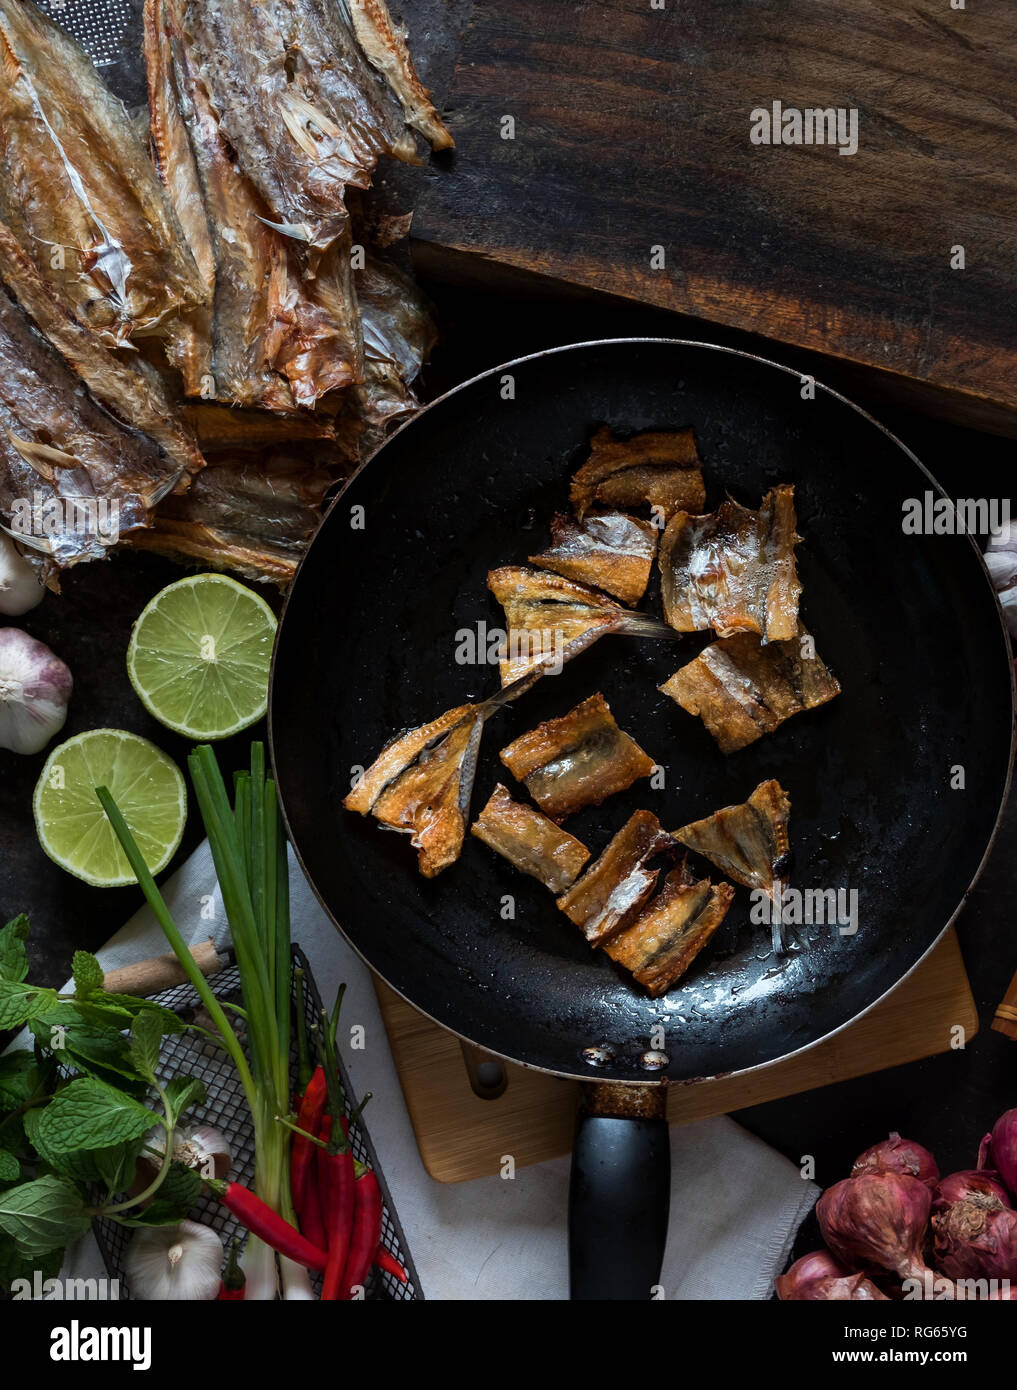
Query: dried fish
[[276, 339], [219, 426], [130, 391], [671, 930], [300, 104], [742, 690], [748, 843], [608, 550], [385, 48], [613, 889], [578, 760], [654, 468], [733, 569], [78, 190], [68, 501], [552, 619], [246, 512], [527, 839], [398, 332]]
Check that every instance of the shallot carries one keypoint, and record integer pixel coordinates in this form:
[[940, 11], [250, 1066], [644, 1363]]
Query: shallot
[[1004, 1148], [897, 1155], [955, 1187], [877, 1220], [849, 1287], [820, 1264], [976, 1238]]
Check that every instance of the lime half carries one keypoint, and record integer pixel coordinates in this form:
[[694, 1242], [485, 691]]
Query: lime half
[[199, 656], [72, 826]]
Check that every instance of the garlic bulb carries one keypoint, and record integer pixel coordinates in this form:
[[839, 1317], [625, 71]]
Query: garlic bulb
[[20, 586], [205, 1150], [178, 1263], [35, 686]]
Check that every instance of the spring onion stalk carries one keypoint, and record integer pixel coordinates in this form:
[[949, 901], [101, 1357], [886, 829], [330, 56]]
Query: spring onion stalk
[[248, 845]]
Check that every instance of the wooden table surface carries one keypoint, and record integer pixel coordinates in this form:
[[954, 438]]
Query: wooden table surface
[[629, 169]]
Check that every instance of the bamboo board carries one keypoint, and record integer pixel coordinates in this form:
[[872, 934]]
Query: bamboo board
[[461, 1136]]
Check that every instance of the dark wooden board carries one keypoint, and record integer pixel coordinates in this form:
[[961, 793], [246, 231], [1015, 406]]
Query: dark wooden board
[[632, 131]]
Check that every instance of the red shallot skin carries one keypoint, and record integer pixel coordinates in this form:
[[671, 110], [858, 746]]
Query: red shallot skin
[[897, 1155], [877, 1220], [976, 1239], [851, 1287], [970, 1182], [1004, 1148], [820, 1264]]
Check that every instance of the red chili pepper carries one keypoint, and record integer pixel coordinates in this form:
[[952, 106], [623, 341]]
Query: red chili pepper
[[337, 1181], [366, 1233], [302, 1150], [388, 1262], [234, 1281], [261, 1220]]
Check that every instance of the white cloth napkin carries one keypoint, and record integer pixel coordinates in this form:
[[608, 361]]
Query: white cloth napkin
[[736, 1203]]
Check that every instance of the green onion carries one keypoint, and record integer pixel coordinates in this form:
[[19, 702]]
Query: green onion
[[248, 844]]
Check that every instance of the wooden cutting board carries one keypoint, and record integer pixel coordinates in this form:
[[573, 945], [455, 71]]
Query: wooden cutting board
[[606, 144], [462, 1136]]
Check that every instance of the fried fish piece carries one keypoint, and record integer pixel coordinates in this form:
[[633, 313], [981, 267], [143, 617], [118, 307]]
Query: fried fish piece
[[748, 843], [422, 780], [398, 332], [614, 888], [78, 190], [430, 799], [421, 784], [657, 468], [733, 569], [671, 930], [609, 550], [527, 839], [578, 760], [551, 618], [742, 690]]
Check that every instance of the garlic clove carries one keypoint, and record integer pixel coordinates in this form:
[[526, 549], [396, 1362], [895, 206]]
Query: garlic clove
[[175, 1263], [35, 686], [21, 588]]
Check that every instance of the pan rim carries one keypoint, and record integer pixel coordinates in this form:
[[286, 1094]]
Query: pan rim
[[592, 1076]]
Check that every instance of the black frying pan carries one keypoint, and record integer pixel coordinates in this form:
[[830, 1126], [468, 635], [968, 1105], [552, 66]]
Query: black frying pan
[[908, 623]]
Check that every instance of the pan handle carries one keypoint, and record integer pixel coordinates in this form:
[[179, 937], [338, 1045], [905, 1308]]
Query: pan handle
[[620, 1192]]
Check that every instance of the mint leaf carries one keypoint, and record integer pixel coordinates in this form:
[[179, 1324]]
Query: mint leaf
[[171, 1022], [179, 1191], [14, 1265], [43, 1215], [183, 1092], [117, 1165], [10, 1168], [88, 974], [146, 1043], [19, 1002], [79, 1164], [13, 957], [99, 1051], [88, 1114], [17, 1079], [99, 1015]]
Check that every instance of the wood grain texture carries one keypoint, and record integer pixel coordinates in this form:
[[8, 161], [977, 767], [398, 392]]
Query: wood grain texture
[[632, 131], [461, 1136]]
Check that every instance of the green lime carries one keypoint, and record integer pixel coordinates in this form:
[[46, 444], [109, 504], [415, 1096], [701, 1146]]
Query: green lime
[[199, 656], [72, 826]]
